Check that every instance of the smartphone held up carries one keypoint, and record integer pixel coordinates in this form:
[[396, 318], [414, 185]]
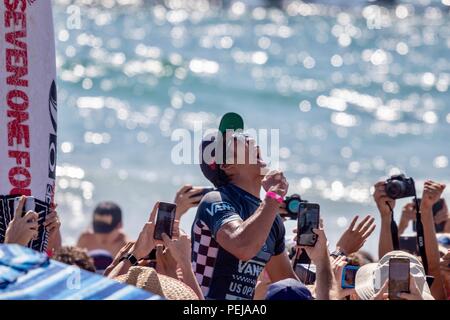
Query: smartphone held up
[[165, 220], [399, 273], [308, 219], [29, 205], [349, 277]]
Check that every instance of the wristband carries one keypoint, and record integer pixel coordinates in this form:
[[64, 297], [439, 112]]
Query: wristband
[[132, 259], [338, 253], [274, 196]]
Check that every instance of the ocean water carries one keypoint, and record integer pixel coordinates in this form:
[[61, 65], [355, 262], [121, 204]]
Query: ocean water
[[356, 90]]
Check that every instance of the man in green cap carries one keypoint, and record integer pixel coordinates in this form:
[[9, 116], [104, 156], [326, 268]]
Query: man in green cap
[[235, 234]]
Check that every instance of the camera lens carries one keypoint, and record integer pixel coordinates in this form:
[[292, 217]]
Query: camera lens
[[293, 206], [395, 189]]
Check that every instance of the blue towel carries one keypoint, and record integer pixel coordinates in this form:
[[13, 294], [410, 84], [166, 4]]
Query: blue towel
[[26, 274]]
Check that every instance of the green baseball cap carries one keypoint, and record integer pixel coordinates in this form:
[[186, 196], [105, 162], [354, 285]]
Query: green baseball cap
[[231, 121]]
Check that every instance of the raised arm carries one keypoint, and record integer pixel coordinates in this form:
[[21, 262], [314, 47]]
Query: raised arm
[[431, 194], [180, 249], [320, 256], [279, 266], [383, 202], [244, 239], [408, 214], [355, 236], [52, 224], [141, 248]]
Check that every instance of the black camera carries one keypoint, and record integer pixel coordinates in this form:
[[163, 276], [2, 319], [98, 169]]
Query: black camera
[[292, 206], [399, 186]]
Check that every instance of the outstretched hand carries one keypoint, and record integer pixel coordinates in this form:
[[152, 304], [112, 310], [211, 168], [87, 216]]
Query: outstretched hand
[[355, 236]]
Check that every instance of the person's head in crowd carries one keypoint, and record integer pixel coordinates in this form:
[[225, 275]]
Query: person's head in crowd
[[74, 256], [288, 290], [107, 217], [372, 280], [106, 233]]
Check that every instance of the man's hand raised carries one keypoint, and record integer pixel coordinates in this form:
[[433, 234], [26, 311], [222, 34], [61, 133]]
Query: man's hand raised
[[355, 236], [432, 192], [275, 181]]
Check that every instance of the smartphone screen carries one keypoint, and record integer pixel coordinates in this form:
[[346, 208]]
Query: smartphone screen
[[30, 205], [308, 219], [349, 277], [398, 277], [165, 220]]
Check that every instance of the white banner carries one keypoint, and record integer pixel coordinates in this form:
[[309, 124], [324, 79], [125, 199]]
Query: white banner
[[28, 122]]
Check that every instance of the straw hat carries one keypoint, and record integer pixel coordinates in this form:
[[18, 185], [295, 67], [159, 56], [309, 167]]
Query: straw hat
[[371, 277], [148, 279]]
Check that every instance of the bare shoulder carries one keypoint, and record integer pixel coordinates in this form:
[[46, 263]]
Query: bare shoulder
[[85, 237], [122, 238]]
